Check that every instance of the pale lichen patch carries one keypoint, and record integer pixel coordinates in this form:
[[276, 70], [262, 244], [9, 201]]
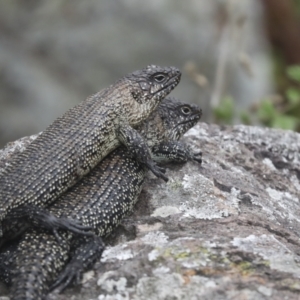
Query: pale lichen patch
[[156, 238], [149, 227], [165, 211], [269, 163], [118, 252], [270, 248], [206, 201]]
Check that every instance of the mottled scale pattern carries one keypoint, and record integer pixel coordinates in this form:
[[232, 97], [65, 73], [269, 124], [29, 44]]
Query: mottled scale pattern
[[100, 202], [110, 188], [70, 147], [101, 199], [42, 264]]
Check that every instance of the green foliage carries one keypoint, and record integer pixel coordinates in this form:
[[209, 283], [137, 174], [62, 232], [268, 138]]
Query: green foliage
[[293, 96], [293, 72], [286, 114], [281, 111], [297, 6], [245, 118], [267, 111], [270, 116], [224, 113]]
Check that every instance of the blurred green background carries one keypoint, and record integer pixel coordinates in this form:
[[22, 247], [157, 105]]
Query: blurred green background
[[240, 59]]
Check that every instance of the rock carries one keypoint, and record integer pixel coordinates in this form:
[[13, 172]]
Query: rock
[[228, 229]]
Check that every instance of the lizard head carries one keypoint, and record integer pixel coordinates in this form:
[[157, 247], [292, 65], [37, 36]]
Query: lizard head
[[178, 117], [152, 84]]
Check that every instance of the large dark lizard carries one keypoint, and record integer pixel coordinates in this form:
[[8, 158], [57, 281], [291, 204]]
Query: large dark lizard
[[72, 146]]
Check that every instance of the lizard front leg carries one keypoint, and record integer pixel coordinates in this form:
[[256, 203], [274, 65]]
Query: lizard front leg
[[84, 257], [175, 151], [139, 149]]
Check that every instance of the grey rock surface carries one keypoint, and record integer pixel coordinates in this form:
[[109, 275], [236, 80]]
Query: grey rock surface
[[228, 229]]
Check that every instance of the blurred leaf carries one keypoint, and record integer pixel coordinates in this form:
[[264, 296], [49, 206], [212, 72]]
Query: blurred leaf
[[245, 118], [285, 122], [293, 72], [225, 111], [293, 96], [267, 111]]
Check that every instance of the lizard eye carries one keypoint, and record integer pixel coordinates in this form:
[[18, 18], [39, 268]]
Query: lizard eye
[[186, 110], [159, 78]]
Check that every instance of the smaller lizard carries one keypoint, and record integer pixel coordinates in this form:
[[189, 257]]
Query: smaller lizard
[[100, 200]]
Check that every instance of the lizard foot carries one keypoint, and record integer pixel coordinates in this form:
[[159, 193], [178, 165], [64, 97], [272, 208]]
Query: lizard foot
[[157, 170]]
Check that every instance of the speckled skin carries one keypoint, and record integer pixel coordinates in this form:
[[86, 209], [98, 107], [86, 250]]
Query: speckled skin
[[70, 147], [101, 200]]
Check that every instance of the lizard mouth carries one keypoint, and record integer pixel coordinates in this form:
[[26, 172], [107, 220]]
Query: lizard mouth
[[181, 128], [192, 120]]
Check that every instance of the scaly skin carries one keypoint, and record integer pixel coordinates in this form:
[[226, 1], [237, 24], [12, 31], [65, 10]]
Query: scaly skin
[[100, 200], [72, 146]]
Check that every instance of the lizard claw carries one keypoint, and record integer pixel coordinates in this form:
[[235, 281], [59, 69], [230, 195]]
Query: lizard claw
[[84, 257], [71, 272], [157, 170], [197, 156], [57, 236], [40, 217], [74, 226]]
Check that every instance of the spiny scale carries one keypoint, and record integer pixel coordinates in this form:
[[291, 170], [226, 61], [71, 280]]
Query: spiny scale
[[77, 141]]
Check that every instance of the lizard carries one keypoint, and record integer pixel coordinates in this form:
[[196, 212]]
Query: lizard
[[100, 200], [74, 143]]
